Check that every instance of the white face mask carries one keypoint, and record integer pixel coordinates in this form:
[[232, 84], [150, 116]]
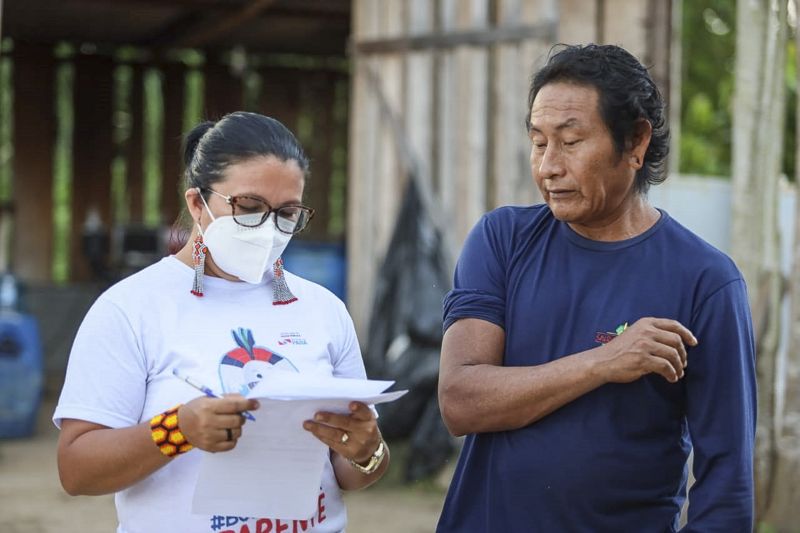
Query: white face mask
[[246, 253]]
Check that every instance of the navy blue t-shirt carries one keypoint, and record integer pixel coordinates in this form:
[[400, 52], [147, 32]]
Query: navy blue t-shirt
[[614, 459]]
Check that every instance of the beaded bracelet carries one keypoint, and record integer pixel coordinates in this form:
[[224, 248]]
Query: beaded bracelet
[[166, 433]]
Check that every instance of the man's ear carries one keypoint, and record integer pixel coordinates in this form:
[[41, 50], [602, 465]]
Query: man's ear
[[642, 133]]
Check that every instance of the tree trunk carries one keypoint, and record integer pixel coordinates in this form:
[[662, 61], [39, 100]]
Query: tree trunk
[[784, 513], [759, 109]]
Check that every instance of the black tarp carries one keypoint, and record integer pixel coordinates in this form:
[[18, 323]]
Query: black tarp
[[405, 336]]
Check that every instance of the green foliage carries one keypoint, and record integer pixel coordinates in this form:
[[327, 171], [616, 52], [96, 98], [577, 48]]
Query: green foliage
[[153, 135], [709, 45], [709, 48], [122, 127], [790, 136], [6, 128], [62, 171]]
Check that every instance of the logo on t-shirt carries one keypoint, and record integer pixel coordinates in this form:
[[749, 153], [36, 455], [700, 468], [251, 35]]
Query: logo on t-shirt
[[604, 337], [291, 337], [243, 367]]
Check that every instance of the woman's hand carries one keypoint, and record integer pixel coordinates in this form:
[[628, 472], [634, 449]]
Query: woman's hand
[[214, 424], [354, 436]]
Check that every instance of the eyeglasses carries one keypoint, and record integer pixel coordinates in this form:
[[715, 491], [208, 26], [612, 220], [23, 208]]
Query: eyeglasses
[[251, 212]]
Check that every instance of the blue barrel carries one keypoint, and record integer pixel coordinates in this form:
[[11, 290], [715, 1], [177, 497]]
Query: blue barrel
[[21, 374], [320, 262]]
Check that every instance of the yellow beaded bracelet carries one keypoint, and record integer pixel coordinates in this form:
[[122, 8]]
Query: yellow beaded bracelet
[[166, 433]]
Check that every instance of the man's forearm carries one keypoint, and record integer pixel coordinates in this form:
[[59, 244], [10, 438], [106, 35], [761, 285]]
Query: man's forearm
[[482, 397]]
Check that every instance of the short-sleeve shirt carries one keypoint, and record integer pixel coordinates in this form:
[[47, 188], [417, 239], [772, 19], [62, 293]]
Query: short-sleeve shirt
[[613, 459], [119, 374]]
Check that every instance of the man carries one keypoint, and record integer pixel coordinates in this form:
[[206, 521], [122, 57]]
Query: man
[[592, 342]]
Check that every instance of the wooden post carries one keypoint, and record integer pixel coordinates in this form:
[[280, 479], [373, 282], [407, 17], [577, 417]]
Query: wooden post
[[93, 151], [34, 122], [578, 21], [362, 166], [463, 187]]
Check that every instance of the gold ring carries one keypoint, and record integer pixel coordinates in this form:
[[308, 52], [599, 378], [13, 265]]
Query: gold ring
[[345, 438]]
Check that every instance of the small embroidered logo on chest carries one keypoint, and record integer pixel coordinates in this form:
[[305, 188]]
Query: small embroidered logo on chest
[[292, 337], [604, 337]]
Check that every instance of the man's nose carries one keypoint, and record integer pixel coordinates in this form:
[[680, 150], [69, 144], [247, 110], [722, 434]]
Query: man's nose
[[551, 163]]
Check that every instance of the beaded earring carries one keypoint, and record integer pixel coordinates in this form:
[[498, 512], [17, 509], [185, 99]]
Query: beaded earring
[[281, 294], [199, 251]]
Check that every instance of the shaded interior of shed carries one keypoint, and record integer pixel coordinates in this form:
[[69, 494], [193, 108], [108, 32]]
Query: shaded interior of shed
[[95, 96]]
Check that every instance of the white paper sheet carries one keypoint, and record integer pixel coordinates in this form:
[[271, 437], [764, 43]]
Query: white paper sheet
[[276, 468]]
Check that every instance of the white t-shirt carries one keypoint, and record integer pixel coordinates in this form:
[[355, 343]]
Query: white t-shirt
[[120, 374]]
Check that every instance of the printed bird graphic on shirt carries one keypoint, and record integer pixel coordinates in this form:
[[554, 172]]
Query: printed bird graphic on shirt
[[243, 367]]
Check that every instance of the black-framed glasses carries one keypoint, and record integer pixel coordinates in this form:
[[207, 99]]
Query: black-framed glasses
[[251, 212]]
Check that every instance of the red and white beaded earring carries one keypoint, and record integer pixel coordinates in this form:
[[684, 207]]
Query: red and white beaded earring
[[281, 294], [199, 251]]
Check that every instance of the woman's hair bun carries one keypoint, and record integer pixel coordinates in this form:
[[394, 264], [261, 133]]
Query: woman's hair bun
[[193, 139]]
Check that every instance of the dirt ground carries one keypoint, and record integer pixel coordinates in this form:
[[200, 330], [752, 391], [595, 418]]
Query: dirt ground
[[32, 501]]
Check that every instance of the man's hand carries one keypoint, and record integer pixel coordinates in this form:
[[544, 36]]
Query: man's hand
[[651, 345]]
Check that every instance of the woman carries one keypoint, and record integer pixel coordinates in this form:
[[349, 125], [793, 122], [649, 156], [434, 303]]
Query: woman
[[220, 310]]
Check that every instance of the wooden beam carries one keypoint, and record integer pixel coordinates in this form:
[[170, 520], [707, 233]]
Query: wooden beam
[[206, 32], [476, 37], [34, 123]]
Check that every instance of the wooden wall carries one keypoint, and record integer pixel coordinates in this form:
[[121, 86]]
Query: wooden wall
[[441, 86]]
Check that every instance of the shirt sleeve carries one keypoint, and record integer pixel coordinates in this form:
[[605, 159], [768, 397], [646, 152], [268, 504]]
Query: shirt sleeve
[[721, 413], [347, 360], [479, 284], [106, 376]]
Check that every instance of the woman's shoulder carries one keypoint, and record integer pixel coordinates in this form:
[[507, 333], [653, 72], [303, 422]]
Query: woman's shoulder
[[151, 281]]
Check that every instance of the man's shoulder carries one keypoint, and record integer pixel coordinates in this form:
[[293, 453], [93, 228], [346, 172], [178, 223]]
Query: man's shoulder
[[699, 255], [512, 219]]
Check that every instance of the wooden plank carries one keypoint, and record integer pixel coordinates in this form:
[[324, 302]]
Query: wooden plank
[[418, 108], [389, 173], [34, 124], [93, 151], [479, 37], [172, 183], [625, 24], [447, 108], [577, 21], [364, 121], [469, 122], [658, 43]]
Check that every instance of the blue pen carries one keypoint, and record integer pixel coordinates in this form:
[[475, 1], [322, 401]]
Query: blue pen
[[205, 390]]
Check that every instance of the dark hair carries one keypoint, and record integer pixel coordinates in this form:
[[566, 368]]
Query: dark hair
[[627, 94], [211, 147]]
